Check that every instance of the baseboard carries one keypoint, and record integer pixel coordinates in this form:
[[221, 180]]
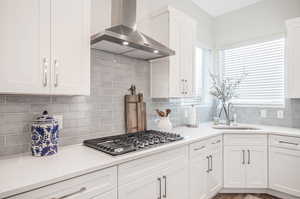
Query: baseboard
[[280, 194], [267, 191], [233, 190]]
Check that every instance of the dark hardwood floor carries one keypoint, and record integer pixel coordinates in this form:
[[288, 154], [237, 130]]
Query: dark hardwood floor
[[245, 196]]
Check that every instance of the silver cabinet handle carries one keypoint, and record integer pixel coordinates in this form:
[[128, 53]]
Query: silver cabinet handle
[[200, 148], [248, 156], [243, 157], [291, 143], [182, 85], [72, 194], [56, 65], [159, 180], [208, 164], [216, 142], [186, 87], [211, 163], [165, 194], [45, 72]]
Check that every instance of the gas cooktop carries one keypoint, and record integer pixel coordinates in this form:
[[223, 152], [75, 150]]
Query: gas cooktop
[[121, 144]]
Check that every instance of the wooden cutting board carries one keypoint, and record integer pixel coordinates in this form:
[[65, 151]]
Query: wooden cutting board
[[135, 113]]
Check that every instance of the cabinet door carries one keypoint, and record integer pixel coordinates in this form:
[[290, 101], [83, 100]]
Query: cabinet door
[[293, 59], [71, 47], [148, 187], [215, 177], [198, 176], [25, 46], [100, 15], [175, 182], [256, 169], [176, 80], [284, 170], [234, 169], [188, 29]]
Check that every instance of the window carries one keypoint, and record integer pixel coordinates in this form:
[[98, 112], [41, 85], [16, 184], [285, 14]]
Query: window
[[263, 65]]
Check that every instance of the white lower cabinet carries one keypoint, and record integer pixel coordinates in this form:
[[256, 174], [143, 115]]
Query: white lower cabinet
[[159, 176], [245, 166], [97, 185], [206, 168], [284, 161], [175, 182], [147, 187]]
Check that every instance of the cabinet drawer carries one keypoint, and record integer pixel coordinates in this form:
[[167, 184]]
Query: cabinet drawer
[[215, 142], [86, 186], [199, 147], [285, 142], [133, 170], [249, 140]]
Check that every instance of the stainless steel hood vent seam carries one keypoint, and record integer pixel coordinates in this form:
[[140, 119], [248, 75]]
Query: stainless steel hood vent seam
[[124, 39]]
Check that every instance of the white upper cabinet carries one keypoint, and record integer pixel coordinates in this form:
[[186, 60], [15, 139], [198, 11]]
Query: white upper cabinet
[[71, 47], [293, 58], [172, 76], [100, 15], [25, 46], [45, 47]]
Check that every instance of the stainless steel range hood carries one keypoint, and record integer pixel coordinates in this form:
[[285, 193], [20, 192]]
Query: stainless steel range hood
[[124, 39]]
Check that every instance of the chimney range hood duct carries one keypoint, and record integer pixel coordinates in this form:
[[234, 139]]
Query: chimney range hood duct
[[124, 39]]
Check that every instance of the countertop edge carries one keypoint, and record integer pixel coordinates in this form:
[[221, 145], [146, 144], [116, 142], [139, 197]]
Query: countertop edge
[[138, 155]]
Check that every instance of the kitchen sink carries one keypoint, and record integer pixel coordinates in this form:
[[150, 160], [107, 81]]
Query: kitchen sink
[[225, 127]]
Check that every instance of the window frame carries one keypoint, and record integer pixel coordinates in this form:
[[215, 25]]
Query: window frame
[[262, 104]]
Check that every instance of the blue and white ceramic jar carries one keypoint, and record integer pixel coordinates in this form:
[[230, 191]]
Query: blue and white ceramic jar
[[45, 135]]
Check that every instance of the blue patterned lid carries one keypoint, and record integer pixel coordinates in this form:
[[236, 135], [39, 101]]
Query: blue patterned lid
[[44, 118]]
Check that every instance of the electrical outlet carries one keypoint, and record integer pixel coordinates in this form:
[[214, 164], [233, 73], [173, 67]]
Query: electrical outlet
[[59, 118], [263, 113], [280, 114]]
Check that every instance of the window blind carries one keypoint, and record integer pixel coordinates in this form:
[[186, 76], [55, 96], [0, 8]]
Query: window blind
[[263, 64]]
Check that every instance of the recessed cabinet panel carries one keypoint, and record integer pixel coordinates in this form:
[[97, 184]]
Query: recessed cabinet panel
[[284, 170], [234, 167], [257, 167], [71, 44], [198, 173], [25, 46], [215, 180], [146, 187], [293, 59]]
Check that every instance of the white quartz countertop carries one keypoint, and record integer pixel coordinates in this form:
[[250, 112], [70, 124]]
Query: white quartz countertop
[[23, 172]]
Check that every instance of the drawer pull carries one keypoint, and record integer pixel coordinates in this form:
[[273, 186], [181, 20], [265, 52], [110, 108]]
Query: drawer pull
[[159, 181], [249, 154], [216, 142], [72, 194], [291, 143], [45, 78], [211, 163], [200, 148], [243, 157], [165, 179], [208, 164]]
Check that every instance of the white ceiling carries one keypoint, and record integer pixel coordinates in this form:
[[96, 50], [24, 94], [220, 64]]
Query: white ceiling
[[219, 7]]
